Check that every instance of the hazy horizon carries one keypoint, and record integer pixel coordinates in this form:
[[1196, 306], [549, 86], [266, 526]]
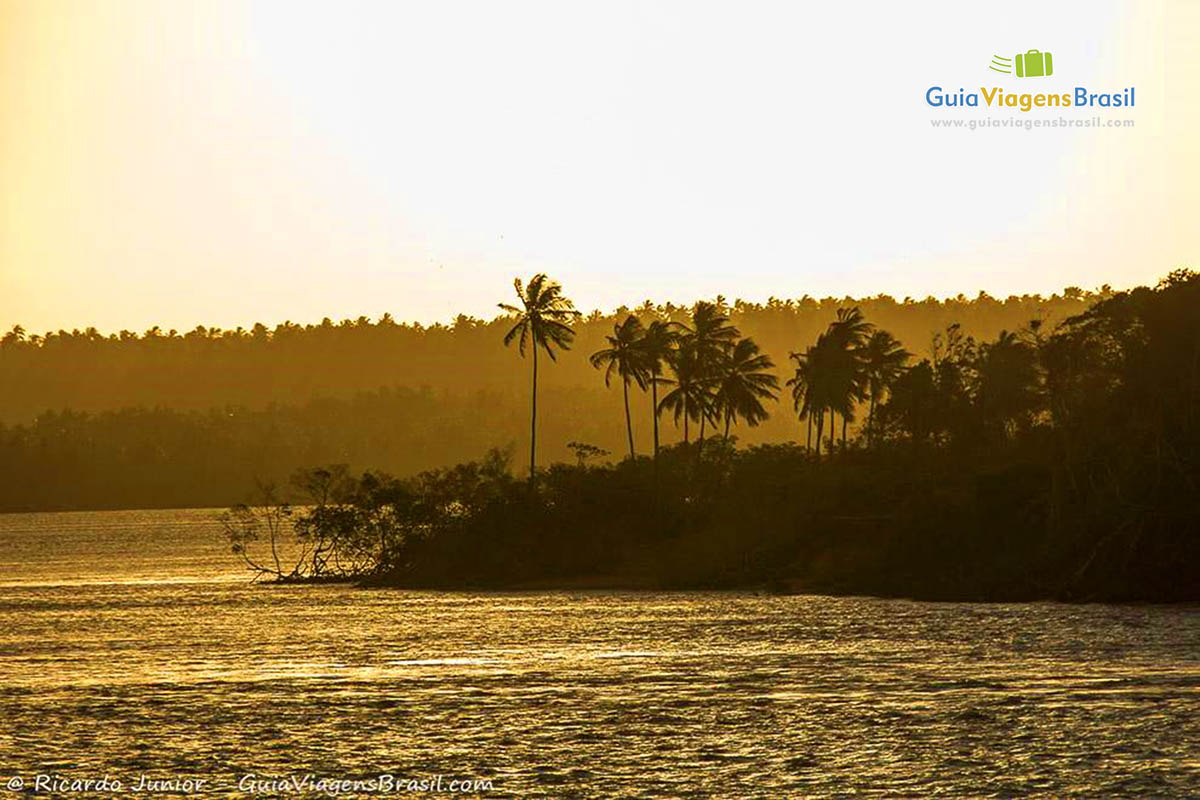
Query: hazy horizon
[[271, 161], [448, 321]]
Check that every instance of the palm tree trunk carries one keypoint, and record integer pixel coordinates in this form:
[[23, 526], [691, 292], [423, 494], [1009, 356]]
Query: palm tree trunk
[[654, 411], [628, 419], [808, 439], [727, 418], [871, 423], [654, 418], [685, 426], [533, 421], [820, 429], [832, 430]]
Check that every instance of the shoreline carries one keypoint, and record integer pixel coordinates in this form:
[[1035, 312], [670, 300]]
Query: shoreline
[[597, 584]]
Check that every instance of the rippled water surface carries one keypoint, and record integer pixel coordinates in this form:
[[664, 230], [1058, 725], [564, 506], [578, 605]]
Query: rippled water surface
[[131, 644]]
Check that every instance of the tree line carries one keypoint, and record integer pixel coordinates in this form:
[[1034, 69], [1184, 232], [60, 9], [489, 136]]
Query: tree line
[[712, 375], [1047, 462], [251, 368], [162, 419]]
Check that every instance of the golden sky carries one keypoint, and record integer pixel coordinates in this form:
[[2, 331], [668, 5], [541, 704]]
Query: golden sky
[[177, 163]]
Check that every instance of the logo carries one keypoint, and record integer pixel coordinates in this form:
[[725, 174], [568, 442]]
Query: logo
[[1030, 64]]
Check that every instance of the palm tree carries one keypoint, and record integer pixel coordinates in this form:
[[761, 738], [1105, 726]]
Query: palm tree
[[711, 334], [691, 399], [707, 342], [744, 383], [818, 375], [802, 392], [847, 336], [851, 327], [543, 320], [626, 358], [844, 388], [656, 345], [883, 359]]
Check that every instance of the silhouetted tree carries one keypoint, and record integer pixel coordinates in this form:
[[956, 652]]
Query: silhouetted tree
[[743, 383], [657, 345], [1008, 384], [703, 347], [584, 451], [883, 359], [625, 357], [847, 336], [690, 397], [803, 395], [834, 382], [822, 367], [15, 336], [912, 407], [246, 524], [543, 320]]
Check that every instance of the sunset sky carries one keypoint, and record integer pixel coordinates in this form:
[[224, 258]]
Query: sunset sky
[[178, 163]]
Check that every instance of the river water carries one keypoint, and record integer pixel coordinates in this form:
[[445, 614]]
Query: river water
[[133, 648]]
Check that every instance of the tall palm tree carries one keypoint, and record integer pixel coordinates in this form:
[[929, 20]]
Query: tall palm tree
[[743, 383], [883, 359], [847, 336], [657, 345], [707, 341], [542, 320], [803, 396], [821, 369], [624, 357]]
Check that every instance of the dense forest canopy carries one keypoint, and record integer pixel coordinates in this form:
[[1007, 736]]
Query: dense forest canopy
[[163, 418]]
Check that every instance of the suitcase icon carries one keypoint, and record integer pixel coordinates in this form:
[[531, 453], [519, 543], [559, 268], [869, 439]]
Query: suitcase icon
[[1034, 64]]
